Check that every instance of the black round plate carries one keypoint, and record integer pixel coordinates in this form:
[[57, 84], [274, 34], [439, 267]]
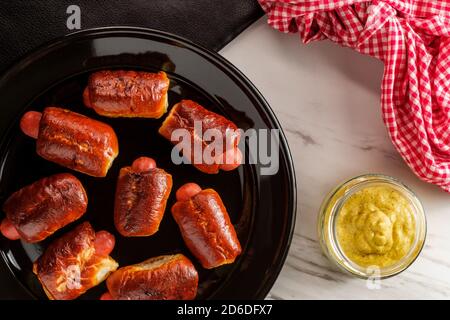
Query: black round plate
[[262, 207]]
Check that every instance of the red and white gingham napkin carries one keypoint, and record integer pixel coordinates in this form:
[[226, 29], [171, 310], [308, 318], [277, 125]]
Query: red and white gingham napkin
[[412, 38]]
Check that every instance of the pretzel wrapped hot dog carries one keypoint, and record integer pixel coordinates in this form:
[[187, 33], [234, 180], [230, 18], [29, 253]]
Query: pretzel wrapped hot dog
[[72, 140], [141, 196], [38, 210], [189, 115], [171, 277], [122, 93], [76, 262], [205, 226]]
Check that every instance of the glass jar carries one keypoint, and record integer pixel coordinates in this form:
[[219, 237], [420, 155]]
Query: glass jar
[[331, 208]]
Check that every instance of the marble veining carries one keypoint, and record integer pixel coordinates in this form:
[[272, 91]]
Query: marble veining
[[327, 100]]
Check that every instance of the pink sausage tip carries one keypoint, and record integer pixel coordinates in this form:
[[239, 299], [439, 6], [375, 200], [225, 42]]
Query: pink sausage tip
[[104, 243], [29, 123], [106, 296], [8, 230], [86, 98], [143, 164], [233, 159], [187, 191]]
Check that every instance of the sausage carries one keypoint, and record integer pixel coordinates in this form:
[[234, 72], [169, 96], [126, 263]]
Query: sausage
[[29, 123], [72, 140], [121, 93], [143, 164], [45, 206], [187, 191], [104, 243], [206, 227], [71, 265], [141, 198], [170, 277], [189, 115], [8, 230], [106, 296], [232, 159]]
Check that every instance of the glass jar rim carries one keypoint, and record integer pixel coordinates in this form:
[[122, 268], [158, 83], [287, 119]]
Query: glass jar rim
[[328, 216]]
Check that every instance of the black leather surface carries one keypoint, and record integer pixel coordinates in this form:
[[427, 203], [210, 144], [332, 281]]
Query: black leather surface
[[26, 24]]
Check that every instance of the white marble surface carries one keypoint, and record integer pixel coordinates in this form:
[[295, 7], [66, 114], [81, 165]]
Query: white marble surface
[[327, 100]]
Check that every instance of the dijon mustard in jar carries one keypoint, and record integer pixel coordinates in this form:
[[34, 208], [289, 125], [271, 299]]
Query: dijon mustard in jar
[[372, 221]]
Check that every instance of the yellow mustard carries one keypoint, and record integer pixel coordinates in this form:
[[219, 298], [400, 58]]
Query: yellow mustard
[[376, 226]]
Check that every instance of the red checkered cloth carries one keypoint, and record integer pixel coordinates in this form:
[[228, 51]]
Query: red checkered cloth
[[412, 38]]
